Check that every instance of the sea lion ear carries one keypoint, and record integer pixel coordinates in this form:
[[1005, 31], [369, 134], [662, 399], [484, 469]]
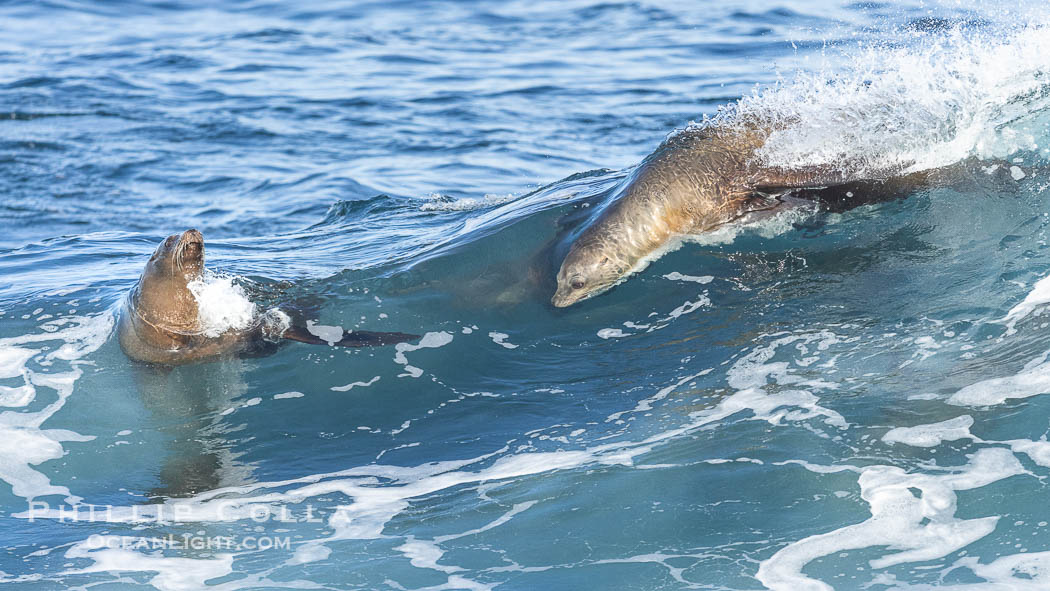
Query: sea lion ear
[[165, 244]]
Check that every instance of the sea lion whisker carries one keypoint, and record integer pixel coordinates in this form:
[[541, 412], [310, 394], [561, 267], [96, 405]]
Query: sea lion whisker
[[180, 251]]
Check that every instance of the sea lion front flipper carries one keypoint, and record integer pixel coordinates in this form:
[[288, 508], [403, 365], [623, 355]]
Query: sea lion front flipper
[[356, 338], [364, 338], [839, 189], [773, 179]]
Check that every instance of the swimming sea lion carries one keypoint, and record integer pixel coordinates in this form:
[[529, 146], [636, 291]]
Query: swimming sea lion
[[160, 320], [695, 181]]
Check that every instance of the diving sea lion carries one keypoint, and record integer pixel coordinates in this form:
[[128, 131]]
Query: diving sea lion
[[695, 181], [160, 319]]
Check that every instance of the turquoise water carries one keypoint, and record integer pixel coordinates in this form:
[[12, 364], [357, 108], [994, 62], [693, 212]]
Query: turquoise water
[[846, 400]]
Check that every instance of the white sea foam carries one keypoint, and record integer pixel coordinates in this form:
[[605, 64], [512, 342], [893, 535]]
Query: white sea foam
[[702, 300], [329, 334], [923, 396], [500, 338], [173, 573], [310, 552], [647, 404], [688, 307], [767, 224], [676, 572], [1012, 572], [284, 395], [1037, 451], [12, 365], [958, 428], [431, 340], [353, 385], [23, 443], [423, 554], [1035, 301], [443, 203], [933, 434], [1033, 380], [13, 360], [676, 276], [221, 303], [612, 333], [917, 527], [18, 396], [427, 553]]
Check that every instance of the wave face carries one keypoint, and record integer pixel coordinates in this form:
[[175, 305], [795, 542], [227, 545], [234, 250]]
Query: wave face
[[814, 400]]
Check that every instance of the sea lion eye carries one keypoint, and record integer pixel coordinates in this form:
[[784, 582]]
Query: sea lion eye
[[578, 282]]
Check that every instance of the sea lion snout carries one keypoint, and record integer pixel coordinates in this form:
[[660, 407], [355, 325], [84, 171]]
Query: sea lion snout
[[564, 298], [559, 301], [191, 243], [187, 252], [191, 237]]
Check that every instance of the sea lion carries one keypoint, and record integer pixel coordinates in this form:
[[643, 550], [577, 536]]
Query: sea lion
[[160, 319], [695, 181]]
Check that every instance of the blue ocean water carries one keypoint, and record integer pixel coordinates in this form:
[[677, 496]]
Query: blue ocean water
[[817, 400]]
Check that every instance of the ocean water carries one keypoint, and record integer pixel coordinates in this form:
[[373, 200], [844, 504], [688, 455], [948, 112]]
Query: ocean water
[[812, 401]]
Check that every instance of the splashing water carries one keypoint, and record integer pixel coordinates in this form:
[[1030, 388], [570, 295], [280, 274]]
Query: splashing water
[[222, 305], [929, 104]]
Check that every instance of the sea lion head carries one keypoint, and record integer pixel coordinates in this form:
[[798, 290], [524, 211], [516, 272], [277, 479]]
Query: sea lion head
[[588, 270], [163, 298]]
